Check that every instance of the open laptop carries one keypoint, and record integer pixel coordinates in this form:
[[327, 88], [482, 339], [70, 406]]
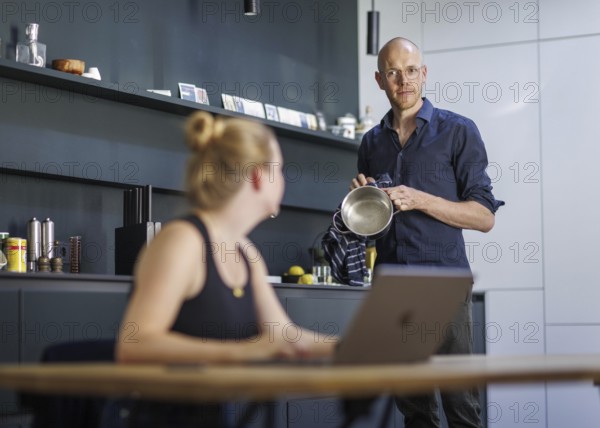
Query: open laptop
[[406, 316]]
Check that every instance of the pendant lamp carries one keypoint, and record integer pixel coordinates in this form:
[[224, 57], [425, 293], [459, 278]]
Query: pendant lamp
[[372, 30]]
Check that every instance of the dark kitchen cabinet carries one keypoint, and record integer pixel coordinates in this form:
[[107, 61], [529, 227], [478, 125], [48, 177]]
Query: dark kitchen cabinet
[[9, 344]]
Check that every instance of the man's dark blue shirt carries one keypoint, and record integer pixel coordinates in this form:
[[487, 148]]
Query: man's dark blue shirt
[[445, 157]]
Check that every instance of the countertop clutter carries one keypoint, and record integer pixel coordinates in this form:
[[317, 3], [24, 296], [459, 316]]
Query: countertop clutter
[[138, 229], [73, 66], [143, 137], [33, 52], [297, 144], [39, 251]]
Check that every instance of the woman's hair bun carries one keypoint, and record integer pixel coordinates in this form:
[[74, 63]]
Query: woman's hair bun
[[203, 129]]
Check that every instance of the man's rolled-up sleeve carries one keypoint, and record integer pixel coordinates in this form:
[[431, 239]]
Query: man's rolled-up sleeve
[[470, 164]]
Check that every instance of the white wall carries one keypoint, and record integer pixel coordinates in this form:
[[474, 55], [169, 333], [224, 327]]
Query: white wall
[[526, 73]]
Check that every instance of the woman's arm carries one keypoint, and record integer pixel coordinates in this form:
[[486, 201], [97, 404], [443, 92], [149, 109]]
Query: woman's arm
[[276, 324]]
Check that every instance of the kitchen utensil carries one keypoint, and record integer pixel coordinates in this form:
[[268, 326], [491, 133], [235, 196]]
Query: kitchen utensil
[[366, 211]]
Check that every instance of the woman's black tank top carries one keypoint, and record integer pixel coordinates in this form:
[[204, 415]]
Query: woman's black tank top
[[215, 313]]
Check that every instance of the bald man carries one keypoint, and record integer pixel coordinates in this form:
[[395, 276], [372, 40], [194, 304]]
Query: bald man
[[437, 163]]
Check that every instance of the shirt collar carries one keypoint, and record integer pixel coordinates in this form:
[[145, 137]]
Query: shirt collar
[[425, 114]]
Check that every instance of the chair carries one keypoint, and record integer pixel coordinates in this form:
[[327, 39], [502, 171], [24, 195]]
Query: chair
[[69, 411], [86, 412]]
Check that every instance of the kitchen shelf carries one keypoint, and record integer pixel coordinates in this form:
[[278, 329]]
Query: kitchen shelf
[[129, 138], [156, 189], [130, 93]]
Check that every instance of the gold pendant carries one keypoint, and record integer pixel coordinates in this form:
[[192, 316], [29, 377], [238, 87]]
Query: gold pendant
[[238, 292]]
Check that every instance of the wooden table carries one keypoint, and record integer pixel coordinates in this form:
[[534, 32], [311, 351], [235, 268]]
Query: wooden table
[[227, 383]]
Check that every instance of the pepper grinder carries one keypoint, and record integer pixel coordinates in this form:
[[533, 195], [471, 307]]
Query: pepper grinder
[[34, 243], [48, 238]]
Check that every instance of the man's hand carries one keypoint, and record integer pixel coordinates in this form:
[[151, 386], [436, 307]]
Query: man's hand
[[406, 198], [360, 181]]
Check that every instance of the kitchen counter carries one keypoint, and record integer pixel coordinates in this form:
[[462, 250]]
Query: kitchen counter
[[38, 309], [66, 280], [41, 309]]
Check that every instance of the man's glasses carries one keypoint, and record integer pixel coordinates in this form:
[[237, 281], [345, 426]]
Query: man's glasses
[[410, 73]]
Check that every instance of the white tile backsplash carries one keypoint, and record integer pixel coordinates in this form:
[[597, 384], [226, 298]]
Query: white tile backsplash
[[559, 18], [503, 102], [515, 326], [573, 404], [450, 24], [516, 406], [570, 156], [514, 322]]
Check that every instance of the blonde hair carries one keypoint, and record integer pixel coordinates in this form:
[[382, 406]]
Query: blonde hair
[[224, 154]]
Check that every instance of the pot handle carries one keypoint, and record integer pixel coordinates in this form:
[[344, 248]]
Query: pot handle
[[335, 226]]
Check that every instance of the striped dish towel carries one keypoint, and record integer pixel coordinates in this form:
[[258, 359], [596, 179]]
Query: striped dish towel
[[345, 254]]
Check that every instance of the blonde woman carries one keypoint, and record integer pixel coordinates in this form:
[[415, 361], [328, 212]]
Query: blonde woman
[[201, 291]]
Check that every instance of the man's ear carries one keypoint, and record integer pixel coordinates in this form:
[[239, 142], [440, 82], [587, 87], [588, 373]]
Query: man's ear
[[379, 79]]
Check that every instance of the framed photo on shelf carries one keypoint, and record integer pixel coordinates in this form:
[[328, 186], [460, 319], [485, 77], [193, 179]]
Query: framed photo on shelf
[[294, 116], [238, 103], [303, 120], [271, 111], [253, 108], [321, 121], [289, 116], [283, 115], [312, 121], [187, 92], [228, 103], [201, 96]]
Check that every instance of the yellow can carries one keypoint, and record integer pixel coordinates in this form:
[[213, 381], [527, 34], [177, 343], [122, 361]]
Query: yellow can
[[16, 254]]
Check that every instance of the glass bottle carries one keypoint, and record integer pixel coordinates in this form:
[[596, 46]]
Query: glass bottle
[[367, 121], [370, 256], [31, 51]]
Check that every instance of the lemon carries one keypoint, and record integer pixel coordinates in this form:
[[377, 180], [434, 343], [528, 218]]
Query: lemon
[[307, 278], [296, 270]]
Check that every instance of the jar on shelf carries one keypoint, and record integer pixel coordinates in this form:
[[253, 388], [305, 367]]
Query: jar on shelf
[[31, 51]]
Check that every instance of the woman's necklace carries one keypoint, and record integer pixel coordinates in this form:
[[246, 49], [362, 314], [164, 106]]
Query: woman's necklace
[[238, 292]]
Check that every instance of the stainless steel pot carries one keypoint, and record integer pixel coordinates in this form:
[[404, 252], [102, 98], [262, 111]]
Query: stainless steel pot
[[366, 211]]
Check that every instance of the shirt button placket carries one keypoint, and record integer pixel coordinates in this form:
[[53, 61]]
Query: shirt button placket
[[398, 177]]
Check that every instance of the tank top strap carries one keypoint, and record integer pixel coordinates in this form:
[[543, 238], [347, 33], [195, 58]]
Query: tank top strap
[[199, 225], [204, 232]]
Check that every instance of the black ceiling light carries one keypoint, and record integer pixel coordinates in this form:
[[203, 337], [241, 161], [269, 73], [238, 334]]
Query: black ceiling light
[[372, 30], [251, 7]]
